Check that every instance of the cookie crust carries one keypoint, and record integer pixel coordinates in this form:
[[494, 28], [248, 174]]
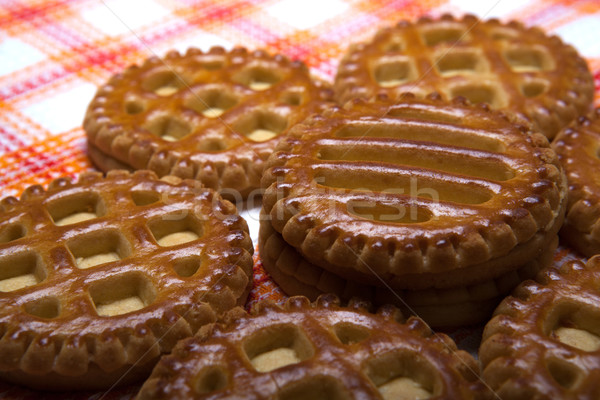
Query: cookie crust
[[56, 332], [578, 149], [524, 354], [507, 65], [335, 364], [368, 154], [456, 306], [193, 115]]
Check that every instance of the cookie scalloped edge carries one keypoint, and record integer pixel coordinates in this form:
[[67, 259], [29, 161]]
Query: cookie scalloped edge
[[239, 173], [535, 214], [481, 299], [582, 223], [514, 352], [57, 359], [550, 116], [457, 360]]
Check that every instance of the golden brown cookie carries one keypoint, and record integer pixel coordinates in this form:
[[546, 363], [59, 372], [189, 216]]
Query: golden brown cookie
[[544, 342], [213, 116], [315, 351], [578, 149], [100, 277], [449, 307], [507, 66], [417, 192]]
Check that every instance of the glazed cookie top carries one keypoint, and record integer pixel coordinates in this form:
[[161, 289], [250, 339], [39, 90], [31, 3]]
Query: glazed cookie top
[[507, 66], [544, 341], [412, 186], [102, 270], [318, 351], [213, 116]]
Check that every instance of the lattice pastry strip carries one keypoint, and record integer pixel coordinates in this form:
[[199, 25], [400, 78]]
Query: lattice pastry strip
[[109, 273], [420, 192], [544, 341], [505, 65], [212, 116], [320, 351]]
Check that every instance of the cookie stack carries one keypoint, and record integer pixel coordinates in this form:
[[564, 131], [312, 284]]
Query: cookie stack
[[400, 193], [441, 208], [403, 200]]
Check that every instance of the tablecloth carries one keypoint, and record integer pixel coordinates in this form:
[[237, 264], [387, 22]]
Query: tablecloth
[[54, 54]]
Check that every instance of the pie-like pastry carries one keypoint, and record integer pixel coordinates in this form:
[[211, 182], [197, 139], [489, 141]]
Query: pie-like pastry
[[578, 149], [507, 66], [315, 351], [544, 342], [418, 193], [100, 277], [448, 307], [213, 116]]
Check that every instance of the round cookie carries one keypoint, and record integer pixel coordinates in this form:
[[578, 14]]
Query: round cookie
[[315, 351], [507, 66], [578, 149], [100, 277], [544, 341], [213, 116], [450, 307], [418, 193]]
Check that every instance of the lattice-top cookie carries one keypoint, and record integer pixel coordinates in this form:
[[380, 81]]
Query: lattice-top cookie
[[213, 116], [544, 342], [100, 277], [578, 149], [422, 193], [319, 351], [505, 65]]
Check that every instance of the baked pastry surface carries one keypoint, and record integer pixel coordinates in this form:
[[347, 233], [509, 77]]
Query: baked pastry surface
[[213, 116], [100, 277], [507, 66], [544, 341], [416, 192], [448, 307], [315, 351], [578, 149]]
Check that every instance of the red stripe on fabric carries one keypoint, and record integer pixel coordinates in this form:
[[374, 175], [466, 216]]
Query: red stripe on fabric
[[9, 140], [81, 58], [20, 87], [18, 12], [258, 32], [158, 36], [60, 33], [215, 13], [88, 56]]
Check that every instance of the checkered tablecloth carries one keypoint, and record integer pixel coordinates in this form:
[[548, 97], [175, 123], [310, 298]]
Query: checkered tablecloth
[[53, 55]]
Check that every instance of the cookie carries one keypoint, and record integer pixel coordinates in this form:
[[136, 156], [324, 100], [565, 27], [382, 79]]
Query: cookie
[[418, 193], [450, 307], [100, 277], [315, 351], [578, 149], [213, 116], [544, 342], [507, 66]]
